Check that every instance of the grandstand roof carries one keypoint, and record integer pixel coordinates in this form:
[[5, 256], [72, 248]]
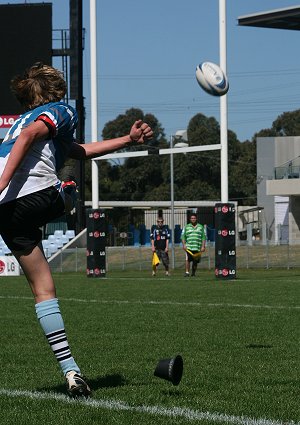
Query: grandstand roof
[[287, 18]]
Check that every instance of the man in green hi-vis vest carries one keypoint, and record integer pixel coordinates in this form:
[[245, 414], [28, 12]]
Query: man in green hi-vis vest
[[193, 239]]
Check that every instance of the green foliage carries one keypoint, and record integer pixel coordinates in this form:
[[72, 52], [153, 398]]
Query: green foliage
[[206, 166], [242, 174], [123, 123], [266, 132], [135, 176], [197, 175], [286, 124]]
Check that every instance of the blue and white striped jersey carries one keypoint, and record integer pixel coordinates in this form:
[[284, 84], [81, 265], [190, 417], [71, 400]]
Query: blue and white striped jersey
[[39, 168]]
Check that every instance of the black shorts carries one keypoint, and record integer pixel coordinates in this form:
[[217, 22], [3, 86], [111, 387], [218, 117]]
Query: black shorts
[[22, 218], [163, 256]]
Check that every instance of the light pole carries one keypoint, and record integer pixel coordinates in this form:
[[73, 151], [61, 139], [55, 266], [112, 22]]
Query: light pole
[[181, 136]]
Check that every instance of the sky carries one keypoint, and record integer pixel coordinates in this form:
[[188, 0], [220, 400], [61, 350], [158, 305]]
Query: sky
[[147, 53]]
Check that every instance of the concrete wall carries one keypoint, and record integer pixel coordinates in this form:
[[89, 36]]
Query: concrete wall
[[277, 152], [294, 220], [265, 171], [286, 149]]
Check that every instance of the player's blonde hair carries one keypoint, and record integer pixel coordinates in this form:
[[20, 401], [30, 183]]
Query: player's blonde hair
[[40, 84]]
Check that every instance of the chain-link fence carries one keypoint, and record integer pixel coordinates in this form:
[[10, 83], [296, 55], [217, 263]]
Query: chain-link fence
[[139, 258]]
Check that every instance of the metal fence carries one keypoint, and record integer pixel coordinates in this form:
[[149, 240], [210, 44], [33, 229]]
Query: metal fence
[[248, 256]]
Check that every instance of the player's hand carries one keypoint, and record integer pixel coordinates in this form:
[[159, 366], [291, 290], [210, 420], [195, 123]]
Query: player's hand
[[140, 132]]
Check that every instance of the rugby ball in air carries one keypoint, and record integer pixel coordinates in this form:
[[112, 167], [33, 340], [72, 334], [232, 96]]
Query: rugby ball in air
[[212, 79]]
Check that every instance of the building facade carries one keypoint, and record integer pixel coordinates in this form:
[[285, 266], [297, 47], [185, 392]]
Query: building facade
[[278, 187]]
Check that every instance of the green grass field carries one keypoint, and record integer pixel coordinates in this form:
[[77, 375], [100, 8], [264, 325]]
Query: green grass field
[[239, 340]]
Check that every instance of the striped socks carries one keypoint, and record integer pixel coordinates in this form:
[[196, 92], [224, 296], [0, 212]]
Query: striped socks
[[50, 318]]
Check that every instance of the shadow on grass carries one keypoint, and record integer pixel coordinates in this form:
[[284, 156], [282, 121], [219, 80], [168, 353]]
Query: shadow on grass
[[259, 346], [108, 381], [172, 392]]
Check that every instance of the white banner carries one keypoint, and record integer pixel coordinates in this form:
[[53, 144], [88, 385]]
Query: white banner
[[9, 266]]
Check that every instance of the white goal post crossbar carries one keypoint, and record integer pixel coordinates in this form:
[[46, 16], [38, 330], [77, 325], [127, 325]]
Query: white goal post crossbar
[[160, 152]]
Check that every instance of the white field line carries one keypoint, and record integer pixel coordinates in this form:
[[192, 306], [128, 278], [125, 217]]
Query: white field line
[[171, 303], [175, 412]]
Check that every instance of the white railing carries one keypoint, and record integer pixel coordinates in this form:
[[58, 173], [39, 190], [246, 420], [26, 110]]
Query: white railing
[[124, 258]]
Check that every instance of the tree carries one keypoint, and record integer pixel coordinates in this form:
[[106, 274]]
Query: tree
[[202, 168], [286, 124], [136, 176], [122, 124], [198, 175], [242, 175]]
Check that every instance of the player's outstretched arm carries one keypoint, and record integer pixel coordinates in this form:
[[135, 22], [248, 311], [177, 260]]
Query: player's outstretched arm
[[140, 132]]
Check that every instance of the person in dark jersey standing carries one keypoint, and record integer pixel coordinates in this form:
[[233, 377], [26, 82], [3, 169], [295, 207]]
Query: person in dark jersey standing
[[160, 237]]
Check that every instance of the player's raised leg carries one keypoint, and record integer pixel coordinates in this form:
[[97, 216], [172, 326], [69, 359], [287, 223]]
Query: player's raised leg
[[38, 274]]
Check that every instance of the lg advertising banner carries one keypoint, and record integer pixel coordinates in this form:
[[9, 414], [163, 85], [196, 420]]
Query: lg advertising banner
[[6, 121], [9, 266]]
